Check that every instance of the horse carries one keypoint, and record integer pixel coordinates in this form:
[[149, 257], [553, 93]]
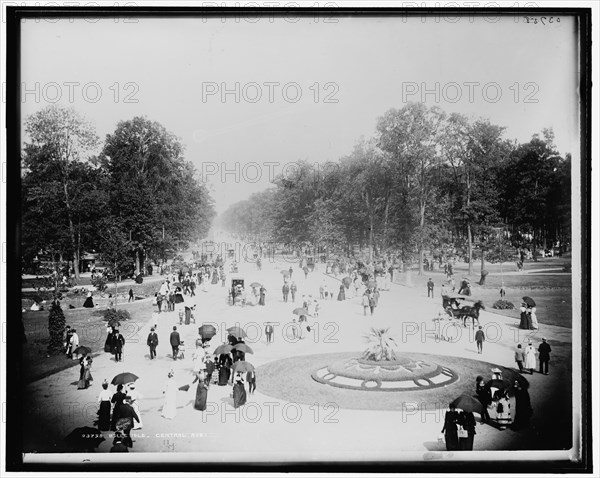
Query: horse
[[467, 311]]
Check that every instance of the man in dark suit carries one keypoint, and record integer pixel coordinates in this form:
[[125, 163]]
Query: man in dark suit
[[175, 341], [118, 342], [152, 342], [544, 350]]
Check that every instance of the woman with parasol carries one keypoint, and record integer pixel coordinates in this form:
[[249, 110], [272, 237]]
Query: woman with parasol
[[118, 398], [201, 392], [239, 391]]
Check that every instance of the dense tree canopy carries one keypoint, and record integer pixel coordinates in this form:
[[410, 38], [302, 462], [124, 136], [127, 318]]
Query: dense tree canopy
[[140, 183], [427, 182]]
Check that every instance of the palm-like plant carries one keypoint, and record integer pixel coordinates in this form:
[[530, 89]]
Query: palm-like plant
[[381, 345]]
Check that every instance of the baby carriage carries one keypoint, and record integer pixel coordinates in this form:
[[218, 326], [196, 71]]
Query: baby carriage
[[181, 350]]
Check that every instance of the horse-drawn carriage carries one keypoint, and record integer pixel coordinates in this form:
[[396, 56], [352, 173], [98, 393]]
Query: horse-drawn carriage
[[453, 306]]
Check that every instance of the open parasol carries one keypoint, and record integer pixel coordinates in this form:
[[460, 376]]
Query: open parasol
[[242, 366], [468, 404], [285, 272], [256, 284], [82, 350], [243, 348], [123, 378], [223, 349], [529, 301], [237, 331], [207, 331], [300, 311]]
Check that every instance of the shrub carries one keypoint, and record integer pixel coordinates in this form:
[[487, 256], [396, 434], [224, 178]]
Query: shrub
[[100, 282], [503, 304], [56, 328], [115, 317]]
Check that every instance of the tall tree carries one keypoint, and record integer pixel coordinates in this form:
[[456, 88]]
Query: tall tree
[[412, 136], [153, 189], [59, 139]]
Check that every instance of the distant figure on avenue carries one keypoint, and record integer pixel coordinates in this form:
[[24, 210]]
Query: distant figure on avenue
[[342, 293], [520, 357], [530, 363], [263, 292], [365, 303], [130, 295], [251, 379], [269, 332], [544, 351], [152, 342], [430, 285], [175, 341], [293, 290], [479, 339], [286, 291]]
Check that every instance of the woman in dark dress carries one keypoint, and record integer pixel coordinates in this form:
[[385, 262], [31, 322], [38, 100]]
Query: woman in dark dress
[[201, 393], [118, 399], [342, 293], [109, 338], [261, 301], [81, 383], [523, 406], [484, 395], [239, 392], [104, 410], [467, 421], [225, 370], [450, 429]]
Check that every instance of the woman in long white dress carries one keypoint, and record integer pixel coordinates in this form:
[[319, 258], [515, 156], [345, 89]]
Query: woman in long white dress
[[534, 322], [530, 363], [169, 409]]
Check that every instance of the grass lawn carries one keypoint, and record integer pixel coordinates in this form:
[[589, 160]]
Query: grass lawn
[[90, 327], [143, 290], [552, 291]]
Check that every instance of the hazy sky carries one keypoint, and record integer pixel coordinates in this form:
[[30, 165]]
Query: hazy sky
[[307, 89]]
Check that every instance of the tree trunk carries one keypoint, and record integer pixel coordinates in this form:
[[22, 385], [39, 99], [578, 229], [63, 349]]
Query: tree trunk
[[421, 248], [71, 227], [482, 278], [137, 261], [470, 248], [469, 232]]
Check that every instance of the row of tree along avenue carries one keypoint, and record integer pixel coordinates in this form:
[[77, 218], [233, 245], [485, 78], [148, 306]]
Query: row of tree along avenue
[[427, 181], [132, 198]]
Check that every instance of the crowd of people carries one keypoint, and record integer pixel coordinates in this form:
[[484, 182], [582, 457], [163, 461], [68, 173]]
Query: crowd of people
[[119, 410]]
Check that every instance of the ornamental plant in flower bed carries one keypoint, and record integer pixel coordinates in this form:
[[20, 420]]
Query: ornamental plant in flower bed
[[503, 305]]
